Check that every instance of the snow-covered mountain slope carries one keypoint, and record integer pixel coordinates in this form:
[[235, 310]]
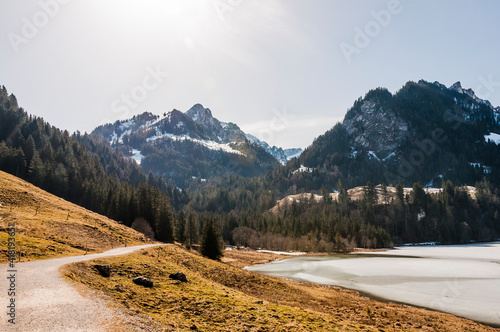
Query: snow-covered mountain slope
[[191, 144]]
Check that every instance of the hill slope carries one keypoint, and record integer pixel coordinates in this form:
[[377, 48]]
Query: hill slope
[[424, 132], [83, 170], [48, 226], [219, 297]]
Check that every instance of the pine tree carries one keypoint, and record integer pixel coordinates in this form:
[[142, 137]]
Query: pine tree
[[60, 181], [210, 245], [191, 231], [325, 192], [164, 231], [36, 171], [180, 227], [400, 193], [29, 149]]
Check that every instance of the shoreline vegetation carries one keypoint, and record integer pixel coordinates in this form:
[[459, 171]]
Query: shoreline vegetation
[[221, 296]]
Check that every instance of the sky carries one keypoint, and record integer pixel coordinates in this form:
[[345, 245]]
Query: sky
[[283, 70]]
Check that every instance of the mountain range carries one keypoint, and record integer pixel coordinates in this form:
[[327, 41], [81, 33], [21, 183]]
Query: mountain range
[[192, 145], [424, 132]]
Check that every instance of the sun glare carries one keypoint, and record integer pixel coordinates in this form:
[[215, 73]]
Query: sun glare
[[150, 12]]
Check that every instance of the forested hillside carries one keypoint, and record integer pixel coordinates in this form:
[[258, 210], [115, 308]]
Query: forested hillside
[[425, 132], [91, 173], [83, 170]]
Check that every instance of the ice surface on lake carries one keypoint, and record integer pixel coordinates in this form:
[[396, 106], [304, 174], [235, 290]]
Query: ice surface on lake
[[289, 253], [462, 280]]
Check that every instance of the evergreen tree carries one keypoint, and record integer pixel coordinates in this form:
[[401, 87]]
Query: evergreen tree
[[180, 228], [400, 194], [191, 231], [210, 245], [164, 231], [385, 194], [343, 198], [36, 171], [60, 181], [325, 192]]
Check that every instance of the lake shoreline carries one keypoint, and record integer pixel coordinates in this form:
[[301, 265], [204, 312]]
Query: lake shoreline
[[439, 271]]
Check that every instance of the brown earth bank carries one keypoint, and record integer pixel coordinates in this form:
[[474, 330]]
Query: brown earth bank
[[220, 296], [47, 226]]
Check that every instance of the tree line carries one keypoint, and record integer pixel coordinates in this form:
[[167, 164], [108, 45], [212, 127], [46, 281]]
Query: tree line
[[233, 209], [88, 172], [83, 170], [380, 218]]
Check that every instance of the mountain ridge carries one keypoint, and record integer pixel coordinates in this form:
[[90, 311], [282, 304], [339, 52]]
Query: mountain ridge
[[424, 132], [184, 146]]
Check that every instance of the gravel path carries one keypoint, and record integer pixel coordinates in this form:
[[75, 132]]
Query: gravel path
[[46, 302]]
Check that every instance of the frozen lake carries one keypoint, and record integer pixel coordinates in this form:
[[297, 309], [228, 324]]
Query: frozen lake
[[461, 280]]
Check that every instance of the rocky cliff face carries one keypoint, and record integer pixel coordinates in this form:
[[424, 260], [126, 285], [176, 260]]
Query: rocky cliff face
[[376, 128], [218, 131], [425, 132]]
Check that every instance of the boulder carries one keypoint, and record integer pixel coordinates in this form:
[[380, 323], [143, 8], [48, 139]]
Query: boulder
[[178, 276], [104, 270], [143, 281]]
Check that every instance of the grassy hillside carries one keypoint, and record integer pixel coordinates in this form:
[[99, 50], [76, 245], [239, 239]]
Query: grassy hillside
[[47, 226], [357, 194], [222, 297]]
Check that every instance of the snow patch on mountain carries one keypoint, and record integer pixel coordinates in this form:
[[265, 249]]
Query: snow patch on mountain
[[196, 125], [372, 154], [137, 156], [206, 143], [492, 137]]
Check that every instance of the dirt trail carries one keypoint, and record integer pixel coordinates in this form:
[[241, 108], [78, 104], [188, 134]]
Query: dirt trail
[[46, 302]]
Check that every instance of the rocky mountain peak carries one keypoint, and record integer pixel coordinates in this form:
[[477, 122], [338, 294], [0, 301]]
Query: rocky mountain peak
[[219, 132], [182, 145], [199, 113], [457, 87]]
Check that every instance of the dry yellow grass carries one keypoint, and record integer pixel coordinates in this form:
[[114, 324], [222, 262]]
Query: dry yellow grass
[[356, 194], [48, 226], [221, 297]]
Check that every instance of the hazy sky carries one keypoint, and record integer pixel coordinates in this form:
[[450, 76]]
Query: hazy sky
[[283, 70]]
